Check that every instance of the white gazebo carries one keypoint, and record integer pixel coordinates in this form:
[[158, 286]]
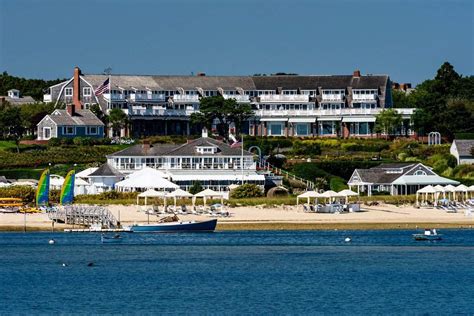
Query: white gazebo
[[450, 189], [147, 178], [152, 193], [330, 195], [308, 195], [429, 189], [208, 194], [462, 189], [471, 189]]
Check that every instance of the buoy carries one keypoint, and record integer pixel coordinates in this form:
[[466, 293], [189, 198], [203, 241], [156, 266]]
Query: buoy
[[348, 239], [51, 241], [90, 264], [64, 265]]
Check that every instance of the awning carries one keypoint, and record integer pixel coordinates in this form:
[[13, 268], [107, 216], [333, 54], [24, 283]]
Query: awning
[[329, 118], [218, 177], [358, 119], [273, 119], [302, 120], [424, 180]]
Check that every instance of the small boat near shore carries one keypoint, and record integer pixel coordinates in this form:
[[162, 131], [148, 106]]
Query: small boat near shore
[[429, 234], [174, 226], [106, 239]]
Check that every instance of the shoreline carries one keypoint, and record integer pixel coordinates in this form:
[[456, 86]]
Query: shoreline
[[281, 226]]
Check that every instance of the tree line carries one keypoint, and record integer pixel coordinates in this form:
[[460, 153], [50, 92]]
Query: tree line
[[32, 87]]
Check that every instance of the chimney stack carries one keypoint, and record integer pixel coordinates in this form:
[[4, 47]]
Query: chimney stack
[[76, 93], [204, 133], [146, 146], [356, 73], [70, 108]]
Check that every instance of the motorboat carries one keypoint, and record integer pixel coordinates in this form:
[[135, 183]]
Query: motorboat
[[174, 226], [428, 234]]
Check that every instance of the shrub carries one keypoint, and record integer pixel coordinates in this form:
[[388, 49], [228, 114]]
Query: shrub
[[306, 147], [54, 142], [246, 190], [337, 184], [26, 193]]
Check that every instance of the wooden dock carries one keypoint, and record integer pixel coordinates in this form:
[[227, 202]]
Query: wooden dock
[[95, 230]]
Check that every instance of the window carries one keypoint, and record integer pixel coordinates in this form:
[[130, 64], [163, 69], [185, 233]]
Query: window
[[276, 129], [92, 130], [87, 106], [420, 173], [68, 130], [86, 92], [302, 129], [68, 92]]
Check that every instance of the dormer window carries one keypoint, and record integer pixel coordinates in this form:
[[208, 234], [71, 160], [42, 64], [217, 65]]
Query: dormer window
[[206, 150]]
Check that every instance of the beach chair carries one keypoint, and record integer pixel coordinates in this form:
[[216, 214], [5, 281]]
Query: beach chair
[[305, 208]]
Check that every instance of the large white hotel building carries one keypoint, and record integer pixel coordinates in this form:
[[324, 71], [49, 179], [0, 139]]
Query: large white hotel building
[[284, 105]]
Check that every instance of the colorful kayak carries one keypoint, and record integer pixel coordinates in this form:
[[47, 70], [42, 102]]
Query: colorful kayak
[[192, 226]]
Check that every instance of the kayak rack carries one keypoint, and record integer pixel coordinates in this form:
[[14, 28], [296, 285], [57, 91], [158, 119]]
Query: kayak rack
[[83, 215]]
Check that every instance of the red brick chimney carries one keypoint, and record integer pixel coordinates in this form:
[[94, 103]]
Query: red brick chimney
[[146, 146], [76, 94], [356, 73], [70, 108]]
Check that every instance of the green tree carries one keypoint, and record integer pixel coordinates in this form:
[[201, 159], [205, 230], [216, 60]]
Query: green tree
[[118, 120], [32, 114], [11, 124], [224, 111], [95, 108], [387, 121], [401, 99], [195, 188], [32, 87]]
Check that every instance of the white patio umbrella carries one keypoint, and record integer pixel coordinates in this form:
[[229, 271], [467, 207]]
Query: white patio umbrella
[[152, 193], [208, 194], [178, 193], [346, 193], [308, 195], [429, 189]]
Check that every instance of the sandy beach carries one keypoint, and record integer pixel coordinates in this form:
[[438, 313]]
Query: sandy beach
[[284, 217]]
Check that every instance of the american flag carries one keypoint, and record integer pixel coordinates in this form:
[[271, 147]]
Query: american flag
[[236, 144], [103, 88]]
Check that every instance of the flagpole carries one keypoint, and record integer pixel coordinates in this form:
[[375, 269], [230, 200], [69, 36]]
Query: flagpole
[[242, 156]]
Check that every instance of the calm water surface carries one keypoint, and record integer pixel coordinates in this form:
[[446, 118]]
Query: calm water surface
[[245, 272]]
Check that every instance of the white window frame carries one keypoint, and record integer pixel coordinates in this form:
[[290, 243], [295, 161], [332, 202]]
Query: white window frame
[[50, 132], [65, 130], [86, 89], [88, 130], [66, 90]]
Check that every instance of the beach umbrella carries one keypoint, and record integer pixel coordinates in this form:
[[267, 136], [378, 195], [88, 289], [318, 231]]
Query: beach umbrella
[[330, 194], [429, 189], [450, 189]]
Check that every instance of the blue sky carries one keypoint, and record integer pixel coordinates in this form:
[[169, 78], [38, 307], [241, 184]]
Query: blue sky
[[408, 40]]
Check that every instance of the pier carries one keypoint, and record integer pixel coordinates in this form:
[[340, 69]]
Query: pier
[[84, 215]]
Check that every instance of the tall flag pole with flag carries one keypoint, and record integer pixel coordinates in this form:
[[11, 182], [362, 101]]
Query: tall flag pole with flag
[[104, 88]]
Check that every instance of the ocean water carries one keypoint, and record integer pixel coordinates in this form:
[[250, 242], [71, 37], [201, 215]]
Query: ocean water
[[243, 272]]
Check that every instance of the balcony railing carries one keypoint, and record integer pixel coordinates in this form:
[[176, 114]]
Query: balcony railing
[[364, 97], [332, 98], [284, 98], [185, 98], [115, 97], [47, 98], [317, 112], [238, 97], [147, 97], [157, 111]]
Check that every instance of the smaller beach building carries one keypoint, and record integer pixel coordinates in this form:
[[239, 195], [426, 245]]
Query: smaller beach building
[[395, 179], [70, 123], [462, 150]]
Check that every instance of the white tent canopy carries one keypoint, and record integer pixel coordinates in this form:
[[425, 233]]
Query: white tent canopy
[[308, 195], [208, 194], [347, 193], [152, 193], [429, 189], [147, 178], [179, 194], [148, 170]]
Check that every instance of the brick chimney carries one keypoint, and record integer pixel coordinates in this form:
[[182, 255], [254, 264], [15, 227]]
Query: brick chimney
[[70, 108], [76, 94], [356, 73]]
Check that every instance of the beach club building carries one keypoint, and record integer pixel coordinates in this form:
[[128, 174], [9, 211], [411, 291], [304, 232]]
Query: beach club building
[[462, 150], [214, 164], [284, 105], [395, 179]]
